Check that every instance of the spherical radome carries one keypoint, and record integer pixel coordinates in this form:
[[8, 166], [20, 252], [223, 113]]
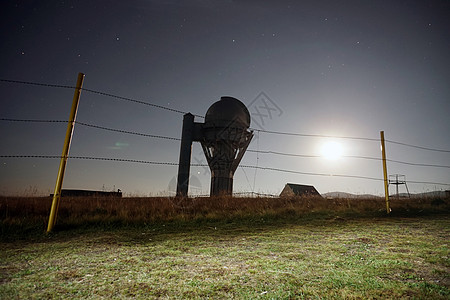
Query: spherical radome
[[228, 111]]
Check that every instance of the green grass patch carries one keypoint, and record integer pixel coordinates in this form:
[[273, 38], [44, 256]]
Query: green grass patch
[[314, 256]]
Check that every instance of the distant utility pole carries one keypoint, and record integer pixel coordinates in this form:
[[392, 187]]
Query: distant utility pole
[[397, 180]]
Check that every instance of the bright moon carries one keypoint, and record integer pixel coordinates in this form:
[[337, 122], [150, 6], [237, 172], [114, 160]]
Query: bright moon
[[332, 150]]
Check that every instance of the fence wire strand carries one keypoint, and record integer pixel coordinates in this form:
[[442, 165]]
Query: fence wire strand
[[32, 120], [315, 135], [93, 126], [205, 165], [347, 156], [138, 102], [418, 147], [182, 112], [249, 150], [98, 93], [350, 138], [257, 167], [128, 132]]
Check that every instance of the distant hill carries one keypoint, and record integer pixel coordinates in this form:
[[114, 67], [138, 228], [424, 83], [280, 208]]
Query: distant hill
[[347, 195], [439, 194]]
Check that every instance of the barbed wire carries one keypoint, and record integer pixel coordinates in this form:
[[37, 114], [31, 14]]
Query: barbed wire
[[138, 102], [182, 112], [348, 137], [249, 150], [418, 147], [315, 135], [37, 83], [32, 120], [416, 164], [98, 93], [93, 126], [253, 194], [239, 194], [93, 158], [128, 132], [309, 173], [347, 156], [205, 165], [282, 153]]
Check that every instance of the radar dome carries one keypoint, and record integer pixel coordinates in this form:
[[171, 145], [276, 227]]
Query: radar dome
[[228, 112]]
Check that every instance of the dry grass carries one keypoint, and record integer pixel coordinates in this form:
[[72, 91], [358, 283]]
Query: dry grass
[[33, 211], [225, 248], [265, 258]]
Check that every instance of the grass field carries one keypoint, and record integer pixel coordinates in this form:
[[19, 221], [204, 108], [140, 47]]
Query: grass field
[[267, 249]]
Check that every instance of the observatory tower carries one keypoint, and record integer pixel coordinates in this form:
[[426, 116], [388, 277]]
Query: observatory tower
[[224, 138]]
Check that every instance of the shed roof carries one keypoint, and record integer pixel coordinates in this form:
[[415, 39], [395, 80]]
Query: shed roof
[[301, 189]]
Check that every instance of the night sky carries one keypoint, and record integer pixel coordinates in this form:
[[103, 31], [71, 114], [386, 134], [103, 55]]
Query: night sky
[[333, 68]]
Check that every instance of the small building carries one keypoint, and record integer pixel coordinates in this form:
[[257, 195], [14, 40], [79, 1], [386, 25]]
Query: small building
[[89, 193], [299, 190]]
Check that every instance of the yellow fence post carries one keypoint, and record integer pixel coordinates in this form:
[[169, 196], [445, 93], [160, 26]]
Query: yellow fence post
[[65, 153], [386, 184]]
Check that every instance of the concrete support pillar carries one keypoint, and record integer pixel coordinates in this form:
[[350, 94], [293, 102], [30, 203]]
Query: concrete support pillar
[[221, 183], [184, 165]]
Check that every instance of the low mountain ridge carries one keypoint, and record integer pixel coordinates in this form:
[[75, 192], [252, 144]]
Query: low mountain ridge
[[432, 194]]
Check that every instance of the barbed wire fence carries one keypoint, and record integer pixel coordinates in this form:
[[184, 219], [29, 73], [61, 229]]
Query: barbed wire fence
[[199, 164]]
